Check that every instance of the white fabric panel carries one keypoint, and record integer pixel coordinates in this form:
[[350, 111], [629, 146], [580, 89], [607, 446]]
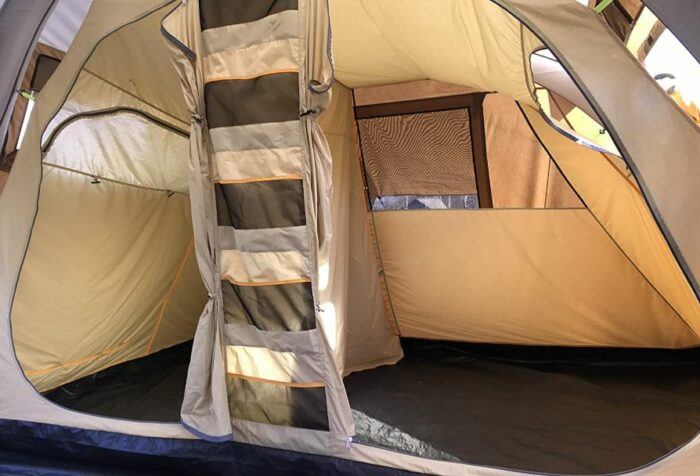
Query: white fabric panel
[[18, 203], [123, 146], [350, 290], [279, 26], [264, 267], [64, 22], [265, 364], [257, 163], [548, 72]]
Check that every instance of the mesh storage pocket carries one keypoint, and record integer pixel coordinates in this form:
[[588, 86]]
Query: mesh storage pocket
[[265, 204], [284, 307], [275, 404], [276, 378]]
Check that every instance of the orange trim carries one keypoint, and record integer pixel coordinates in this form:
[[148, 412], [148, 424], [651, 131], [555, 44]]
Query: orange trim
[[262, 179], [265, 283], [277, 382], [166, 299], [74, 362], [215, 79]]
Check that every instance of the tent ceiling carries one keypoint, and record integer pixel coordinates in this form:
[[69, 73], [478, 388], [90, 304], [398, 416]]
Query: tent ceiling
[[64, 22]]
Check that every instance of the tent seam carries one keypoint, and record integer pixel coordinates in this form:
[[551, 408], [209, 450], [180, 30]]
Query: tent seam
[[168, 294], [551, 157]]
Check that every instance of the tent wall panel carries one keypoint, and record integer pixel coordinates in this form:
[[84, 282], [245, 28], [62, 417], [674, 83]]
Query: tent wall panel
[[618, 205], [365, 337], [19, 400], [655, 128], [521, 173], [121, 72], [93, 291], [548, 277]]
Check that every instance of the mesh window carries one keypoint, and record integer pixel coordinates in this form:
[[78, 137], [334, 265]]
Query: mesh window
[[419, 155]]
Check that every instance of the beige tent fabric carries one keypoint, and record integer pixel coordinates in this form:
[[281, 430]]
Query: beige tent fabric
[[351, 289], [656, 138], [265, 268], [205, 403], [521, 173], [94, 292], [18, 398], [509, 276], [122, 73], [617, 203], [394, 41], [409, 91], [108, 288]]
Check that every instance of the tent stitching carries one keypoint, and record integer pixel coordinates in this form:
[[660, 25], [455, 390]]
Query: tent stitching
[[168, 294], [601, 225]]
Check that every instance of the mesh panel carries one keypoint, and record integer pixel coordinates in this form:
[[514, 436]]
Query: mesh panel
[[419, 154]]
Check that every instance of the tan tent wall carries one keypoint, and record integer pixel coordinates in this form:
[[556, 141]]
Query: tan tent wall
[[109, 273], [94, 292], [365, 338], [619, 206], [657, 139], [120, 72], [18, 203], [519, 276]]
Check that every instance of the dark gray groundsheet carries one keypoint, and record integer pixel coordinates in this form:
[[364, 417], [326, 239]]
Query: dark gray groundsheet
[[564, 411]]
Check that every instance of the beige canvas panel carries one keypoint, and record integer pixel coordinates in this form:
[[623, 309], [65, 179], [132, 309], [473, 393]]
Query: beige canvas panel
[[122, 146], [520, 171], [269, 57], [264, 268], [19, 400], [270, 135], [278, 26], [136, 61], [617, 203], [518, 165], [179, 314], [205, 400], [510, 276], [94, 94], [351, 293], [559, 192], [395, 41], [657, 139], [256, 163], [263, 364], [409, 91], [95, 303]]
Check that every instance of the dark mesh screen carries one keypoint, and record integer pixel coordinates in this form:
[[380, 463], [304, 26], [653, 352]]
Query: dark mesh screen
[[419, 154]]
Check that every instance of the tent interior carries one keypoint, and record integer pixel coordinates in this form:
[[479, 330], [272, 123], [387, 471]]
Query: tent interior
[[497, 293]]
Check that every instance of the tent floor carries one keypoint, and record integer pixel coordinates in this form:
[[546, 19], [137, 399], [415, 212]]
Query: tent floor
[[576, 411], [149, 389]]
